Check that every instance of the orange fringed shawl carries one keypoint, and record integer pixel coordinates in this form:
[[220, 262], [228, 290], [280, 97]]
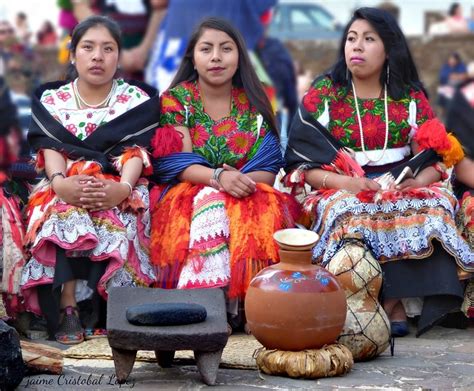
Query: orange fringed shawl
[[253, 220]]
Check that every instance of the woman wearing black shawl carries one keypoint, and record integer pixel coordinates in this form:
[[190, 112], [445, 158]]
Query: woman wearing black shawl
[[373, 102], [88, 219], [460, 120]]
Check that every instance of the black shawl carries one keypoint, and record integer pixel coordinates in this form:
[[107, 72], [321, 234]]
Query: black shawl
[[311, 145], [133, 128]]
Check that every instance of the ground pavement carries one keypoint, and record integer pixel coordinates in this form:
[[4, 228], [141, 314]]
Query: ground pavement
[[442, 359]]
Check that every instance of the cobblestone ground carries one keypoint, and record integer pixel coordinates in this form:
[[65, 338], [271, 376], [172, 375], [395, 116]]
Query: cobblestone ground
[[442, 359]]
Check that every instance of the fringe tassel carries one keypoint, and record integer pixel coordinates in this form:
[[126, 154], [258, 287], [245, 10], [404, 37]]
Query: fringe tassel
[[170, 225], [253, 221], [167, 140], [132, 152]]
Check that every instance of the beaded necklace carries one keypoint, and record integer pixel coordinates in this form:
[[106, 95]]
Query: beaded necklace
[[361, 131]]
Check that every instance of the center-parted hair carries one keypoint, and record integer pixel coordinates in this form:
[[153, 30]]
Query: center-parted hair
[[245, 75], [403, 72], [81, 29]]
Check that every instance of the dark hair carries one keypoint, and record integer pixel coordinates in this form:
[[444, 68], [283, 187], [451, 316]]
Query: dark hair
[[402, 68], [456, 56], [453, 8], [83, 27], [245, 75]]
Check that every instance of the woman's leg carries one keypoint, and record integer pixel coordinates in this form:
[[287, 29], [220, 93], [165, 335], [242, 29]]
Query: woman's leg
[[68, 295]]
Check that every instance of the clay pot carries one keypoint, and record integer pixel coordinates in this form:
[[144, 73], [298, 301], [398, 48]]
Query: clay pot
[[295, 305]]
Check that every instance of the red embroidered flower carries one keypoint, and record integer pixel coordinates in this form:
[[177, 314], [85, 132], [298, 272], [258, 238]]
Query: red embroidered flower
[[423, 107], [72, 128], [90, 127], [170, 104], [374, 131], [338, 132], [224, 127], [312, 100], [111, 111], [368, 105], [240, 99], [241, 142], [179, 119], [397, 112], [49, 100], [123, 98], [64, 96], [89, 115], [340, 111], [199, 136]]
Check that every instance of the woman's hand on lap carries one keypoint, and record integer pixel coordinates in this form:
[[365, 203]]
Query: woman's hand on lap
[[233, 182], [71, 189], [111, 194], [356, 185]]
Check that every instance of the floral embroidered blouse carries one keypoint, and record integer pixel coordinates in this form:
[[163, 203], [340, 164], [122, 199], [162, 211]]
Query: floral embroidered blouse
[[343, 122], [232, 140], [62, 104]]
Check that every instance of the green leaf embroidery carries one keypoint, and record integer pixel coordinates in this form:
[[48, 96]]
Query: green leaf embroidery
[[82, 124]]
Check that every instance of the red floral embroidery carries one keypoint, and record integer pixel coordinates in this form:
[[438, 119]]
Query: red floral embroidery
[[340, 111], [90, 127], [169, 104], [240, 99], [338, 132], [123, 98], [224, 127], [312, 100], [49, 100], [64, 96], [199, 136], [374, 131], [397, 112], [89, 115], [368, 105], [241, 142], [72, 128], [423, 107]]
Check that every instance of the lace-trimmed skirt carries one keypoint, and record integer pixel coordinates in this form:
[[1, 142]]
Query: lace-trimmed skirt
[[119, 238], [395, 225]]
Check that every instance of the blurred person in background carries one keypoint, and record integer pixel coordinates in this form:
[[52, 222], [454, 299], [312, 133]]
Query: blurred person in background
[[46, 35], [22, 29], [460, 120], [455, 21], [138, 20], [278, 63], [451, 75], [12, 232], [7, 38]]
